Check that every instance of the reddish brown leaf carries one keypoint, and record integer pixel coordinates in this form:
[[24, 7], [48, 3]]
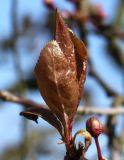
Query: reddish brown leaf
[[57, 83], [64, 41], [34, 113], [81, 59], [61, 72]]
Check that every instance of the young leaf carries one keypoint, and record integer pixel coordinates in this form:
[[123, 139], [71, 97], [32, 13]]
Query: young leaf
[[81, 59], [56, 81], [34, 113], [64, 40], [61, 72]]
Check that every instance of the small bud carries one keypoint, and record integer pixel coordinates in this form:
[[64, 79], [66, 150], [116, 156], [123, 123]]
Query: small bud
[[94, 126], [49, 4]]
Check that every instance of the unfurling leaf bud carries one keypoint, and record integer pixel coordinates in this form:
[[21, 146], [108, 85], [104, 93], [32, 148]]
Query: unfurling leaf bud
[[94, 126]]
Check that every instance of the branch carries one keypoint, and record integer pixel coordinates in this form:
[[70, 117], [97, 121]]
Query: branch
[[112, 122], [100, 111], [6, 96], [108, 89]]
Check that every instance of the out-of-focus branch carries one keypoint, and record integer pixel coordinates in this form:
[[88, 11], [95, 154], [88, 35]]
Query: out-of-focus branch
[[112, 123], [17, 87], [15, 36], [109, 90], [119, 34], [6, 96], [100, 110]]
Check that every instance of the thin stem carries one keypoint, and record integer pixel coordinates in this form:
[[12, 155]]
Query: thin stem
[[98, 148], [71, 153]]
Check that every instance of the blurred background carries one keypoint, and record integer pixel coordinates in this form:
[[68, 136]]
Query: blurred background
[[25, 27]]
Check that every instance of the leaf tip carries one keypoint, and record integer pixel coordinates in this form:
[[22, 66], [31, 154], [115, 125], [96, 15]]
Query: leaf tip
[[29, 116]]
